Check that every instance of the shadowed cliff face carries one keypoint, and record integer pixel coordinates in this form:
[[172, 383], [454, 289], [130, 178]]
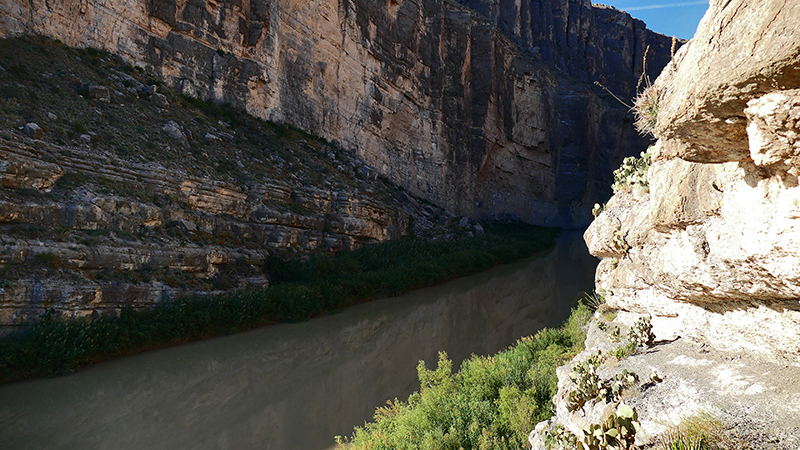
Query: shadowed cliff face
[[589, 42], [476, 107]]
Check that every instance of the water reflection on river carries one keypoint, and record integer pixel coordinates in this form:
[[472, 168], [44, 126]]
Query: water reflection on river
[[293, 386]]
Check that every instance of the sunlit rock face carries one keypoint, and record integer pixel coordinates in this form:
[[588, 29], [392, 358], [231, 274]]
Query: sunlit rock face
[[710, 247], [479, 106], [713, 249]]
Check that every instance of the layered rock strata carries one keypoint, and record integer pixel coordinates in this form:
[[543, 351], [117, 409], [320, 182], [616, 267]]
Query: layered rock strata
[[98, 250], [472, 106]]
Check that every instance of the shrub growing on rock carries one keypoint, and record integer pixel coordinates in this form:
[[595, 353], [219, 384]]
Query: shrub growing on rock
[[633, 173]]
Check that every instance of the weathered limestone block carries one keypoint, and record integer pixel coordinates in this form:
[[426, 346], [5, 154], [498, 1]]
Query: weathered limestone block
[[686, 193], [741, 51], [21, 171], [773, 128], [609, 234], [717, 253]]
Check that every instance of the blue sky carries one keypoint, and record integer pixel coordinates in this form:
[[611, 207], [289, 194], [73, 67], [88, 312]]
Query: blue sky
[[671, 17]]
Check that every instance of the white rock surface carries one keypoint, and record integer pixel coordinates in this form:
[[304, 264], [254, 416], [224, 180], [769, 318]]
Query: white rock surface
[[754, 398], [711, 250]]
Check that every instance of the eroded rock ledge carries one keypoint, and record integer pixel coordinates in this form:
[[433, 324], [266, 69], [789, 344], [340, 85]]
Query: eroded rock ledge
[[157, 230], [749, 395], [710, 249], [713, 249]]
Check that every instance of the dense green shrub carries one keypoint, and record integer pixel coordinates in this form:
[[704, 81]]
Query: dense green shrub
[[300, 289], [491, 403]]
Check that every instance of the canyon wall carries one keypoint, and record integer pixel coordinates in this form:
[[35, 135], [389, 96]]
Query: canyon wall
[[712, 248], [90, 252], [708, 248], [481, 106]]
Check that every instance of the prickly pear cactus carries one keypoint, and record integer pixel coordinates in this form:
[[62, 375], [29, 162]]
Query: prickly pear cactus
[[587, 382], [641, 333], [618, 432]]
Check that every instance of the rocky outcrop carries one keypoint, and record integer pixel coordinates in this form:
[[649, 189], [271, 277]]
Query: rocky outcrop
[[121, 234], [711, 250], [708, 248], [749, 52], [466, 105], [744, 400]]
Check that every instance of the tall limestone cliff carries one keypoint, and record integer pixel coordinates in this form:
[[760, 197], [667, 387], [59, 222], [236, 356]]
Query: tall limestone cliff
[[707, 247], [479, 106], [712, 248]]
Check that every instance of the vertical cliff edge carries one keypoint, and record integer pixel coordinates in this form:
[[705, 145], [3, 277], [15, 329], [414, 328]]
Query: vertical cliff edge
[[707, 248], [481, 106]]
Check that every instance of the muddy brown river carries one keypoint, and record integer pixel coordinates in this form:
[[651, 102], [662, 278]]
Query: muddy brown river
[[293, 386]]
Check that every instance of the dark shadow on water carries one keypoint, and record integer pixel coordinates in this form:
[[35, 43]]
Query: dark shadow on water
[[293, 386]]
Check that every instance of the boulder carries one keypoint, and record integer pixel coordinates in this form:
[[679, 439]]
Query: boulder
[[99, 93], [174, 131], [742, 51], [160, 100], [147, 90], [32, 130]]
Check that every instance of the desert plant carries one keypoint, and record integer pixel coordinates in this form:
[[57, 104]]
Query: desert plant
[[641, 333], [598, 209], [559, 438], [624, 351], [587, 382], [645, 104], [618, 383], [699, 432], [645, 109], [633, 173], [682, 442], [617, 432], [589, 386], [593, 300]]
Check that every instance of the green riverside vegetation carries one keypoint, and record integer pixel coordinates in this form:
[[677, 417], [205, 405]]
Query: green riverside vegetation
[[300, 289], [490, 403]]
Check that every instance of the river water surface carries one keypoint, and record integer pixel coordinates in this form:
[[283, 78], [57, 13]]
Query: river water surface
[[293, 386]]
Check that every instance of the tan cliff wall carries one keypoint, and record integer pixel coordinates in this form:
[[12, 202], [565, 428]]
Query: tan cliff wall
[[95, 252], [462, 105], [713, 246], [708, 248]]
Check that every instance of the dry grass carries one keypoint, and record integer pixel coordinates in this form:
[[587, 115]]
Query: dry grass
[[700, 432], [645, 108]]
